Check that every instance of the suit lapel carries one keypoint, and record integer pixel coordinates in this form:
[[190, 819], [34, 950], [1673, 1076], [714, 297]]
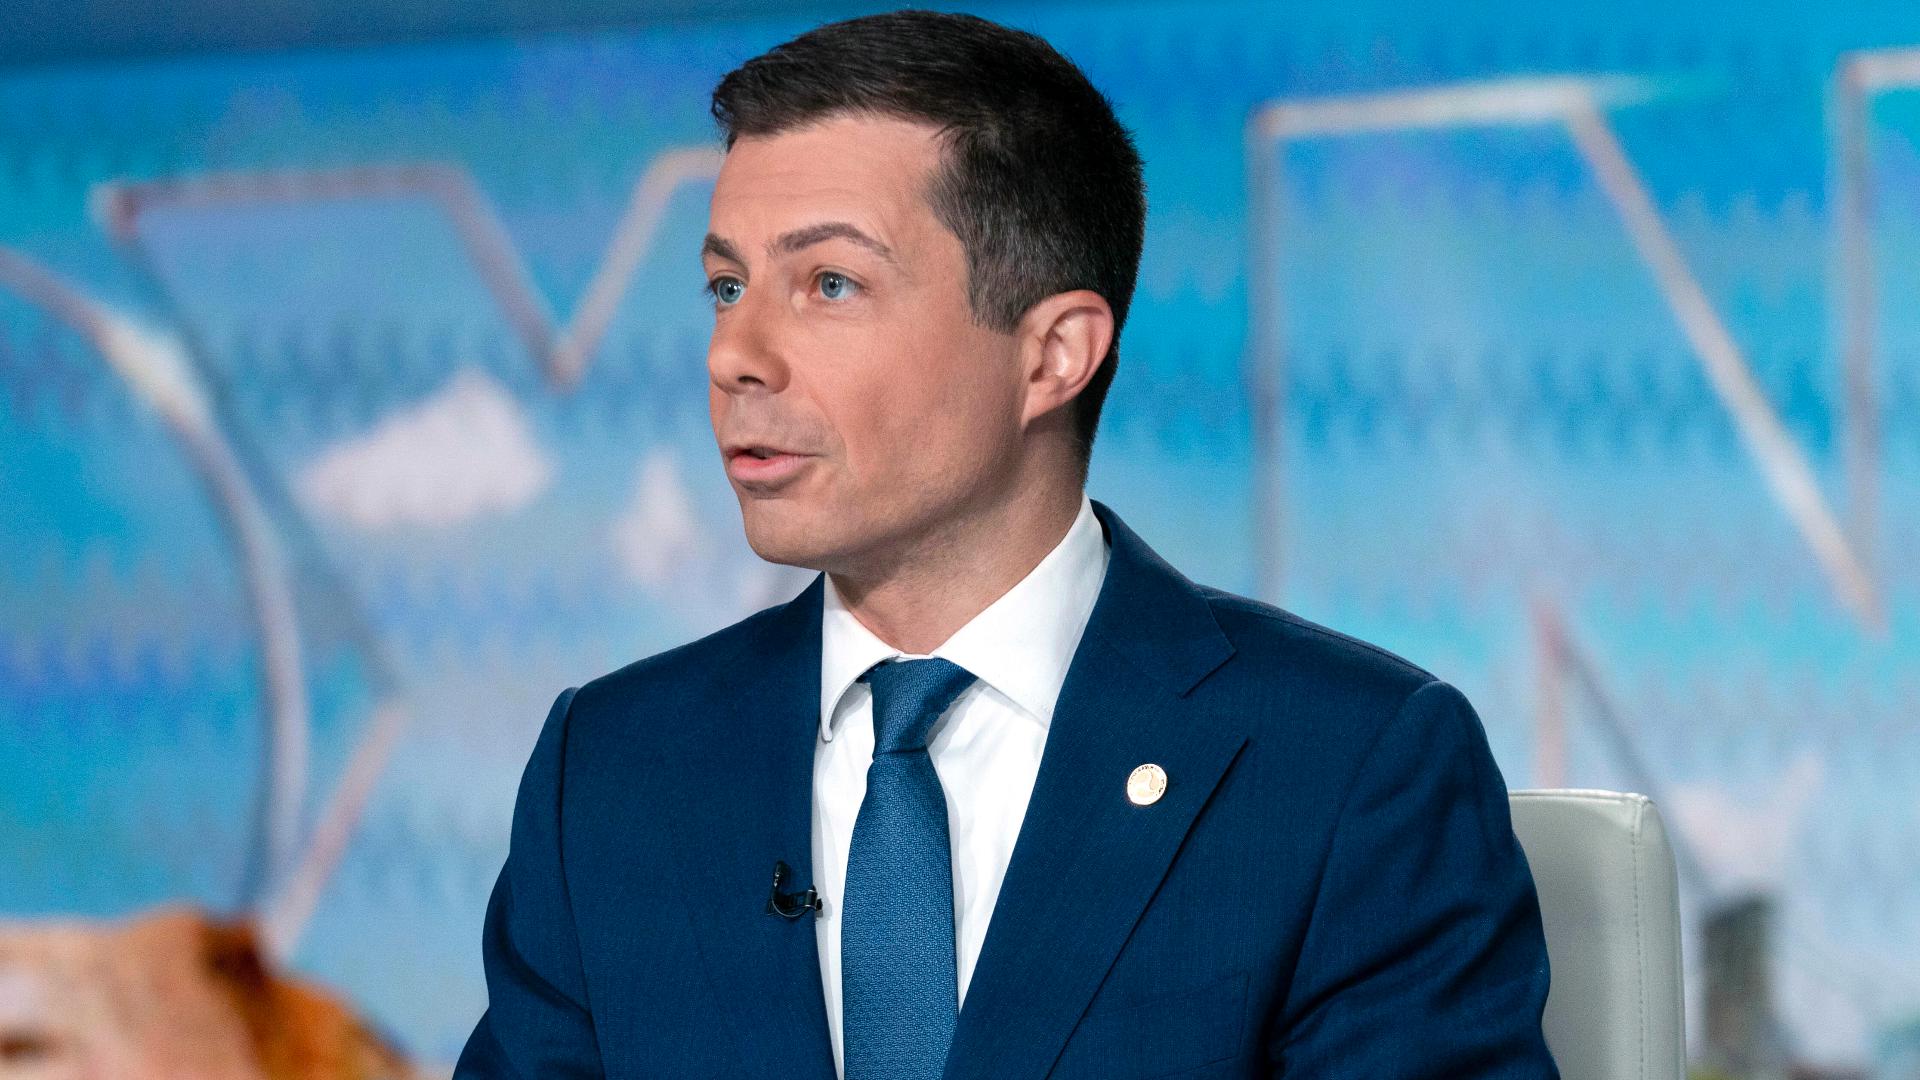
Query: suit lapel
[[1087, 860], [747, 802]]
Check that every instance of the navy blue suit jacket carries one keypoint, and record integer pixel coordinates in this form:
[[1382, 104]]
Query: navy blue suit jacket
[[1330, 886]]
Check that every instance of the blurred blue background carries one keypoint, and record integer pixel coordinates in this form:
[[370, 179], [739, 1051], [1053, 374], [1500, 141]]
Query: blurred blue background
[[354, 405]]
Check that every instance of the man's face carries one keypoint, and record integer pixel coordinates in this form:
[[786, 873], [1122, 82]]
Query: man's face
[[844, 342]]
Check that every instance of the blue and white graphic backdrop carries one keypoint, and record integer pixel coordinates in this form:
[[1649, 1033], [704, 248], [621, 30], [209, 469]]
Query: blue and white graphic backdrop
[[352, 404]]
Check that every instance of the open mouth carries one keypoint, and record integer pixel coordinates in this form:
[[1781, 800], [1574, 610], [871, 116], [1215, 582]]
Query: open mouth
[[759, 453], [762, 465]]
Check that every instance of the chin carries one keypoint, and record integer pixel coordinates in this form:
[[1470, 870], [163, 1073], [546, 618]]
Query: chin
[[779, 535]]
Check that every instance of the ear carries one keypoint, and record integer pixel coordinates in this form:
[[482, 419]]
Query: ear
[[1064, 340]]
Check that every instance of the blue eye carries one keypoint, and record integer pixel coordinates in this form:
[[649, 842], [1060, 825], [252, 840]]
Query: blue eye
[[726, 290], [836, 286]]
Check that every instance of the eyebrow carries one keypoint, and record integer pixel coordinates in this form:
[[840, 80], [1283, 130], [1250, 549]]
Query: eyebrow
[[798, 239]]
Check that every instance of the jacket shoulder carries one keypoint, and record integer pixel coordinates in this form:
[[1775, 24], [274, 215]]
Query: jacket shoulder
[[690, 668], [1328, 701], [1271, 642]]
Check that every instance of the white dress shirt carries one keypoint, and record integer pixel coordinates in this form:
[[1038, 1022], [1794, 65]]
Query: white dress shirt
[[986, 747]]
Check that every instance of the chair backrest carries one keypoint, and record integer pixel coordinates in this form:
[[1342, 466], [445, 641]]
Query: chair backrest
[[1605, 874]]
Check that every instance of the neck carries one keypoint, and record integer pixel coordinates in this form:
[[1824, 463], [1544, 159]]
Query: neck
[[918, 601]]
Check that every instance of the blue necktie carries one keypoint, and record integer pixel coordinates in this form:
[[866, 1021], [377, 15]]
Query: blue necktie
[[898, 983]]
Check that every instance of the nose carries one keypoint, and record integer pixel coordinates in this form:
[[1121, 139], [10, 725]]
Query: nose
[[742, 357]]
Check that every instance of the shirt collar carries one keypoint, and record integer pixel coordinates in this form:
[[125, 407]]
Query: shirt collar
[[1020, 645]]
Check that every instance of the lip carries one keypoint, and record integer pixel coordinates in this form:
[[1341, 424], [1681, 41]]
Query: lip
[[764, 474]]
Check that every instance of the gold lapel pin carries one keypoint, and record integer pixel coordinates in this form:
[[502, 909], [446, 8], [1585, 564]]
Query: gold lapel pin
[[1146, 784]]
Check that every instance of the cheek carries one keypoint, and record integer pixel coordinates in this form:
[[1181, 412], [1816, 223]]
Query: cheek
[[870, 416], [927, 413], [913, 395]]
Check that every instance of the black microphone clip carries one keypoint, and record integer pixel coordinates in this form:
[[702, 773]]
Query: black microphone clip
[[790, 905]]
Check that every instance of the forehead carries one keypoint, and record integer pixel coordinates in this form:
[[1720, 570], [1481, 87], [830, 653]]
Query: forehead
[[868, 170]]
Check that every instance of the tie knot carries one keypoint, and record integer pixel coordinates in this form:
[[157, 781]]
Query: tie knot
[[908, 696]]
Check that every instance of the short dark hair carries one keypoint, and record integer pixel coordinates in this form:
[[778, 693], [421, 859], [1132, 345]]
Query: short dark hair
[[1041, 183]]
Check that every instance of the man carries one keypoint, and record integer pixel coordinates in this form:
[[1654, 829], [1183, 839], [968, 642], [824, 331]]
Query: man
[[1065, 812]]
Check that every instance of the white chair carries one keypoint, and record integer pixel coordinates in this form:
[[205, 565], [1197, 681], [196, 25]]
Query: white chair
[[1605, 874]]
